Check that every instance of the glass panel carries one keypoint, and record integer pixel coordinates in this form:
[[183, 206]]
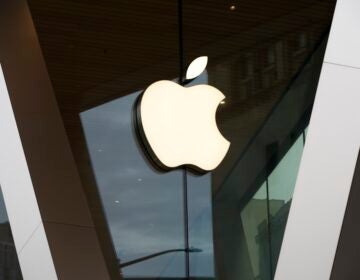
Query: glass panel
[[200, 227], [254, 218], [281, 187], [9, 264], [143, 207]]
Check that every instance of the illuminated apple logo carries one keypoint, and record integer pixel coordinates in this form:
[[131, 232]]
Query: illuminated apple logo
[[177, 125]]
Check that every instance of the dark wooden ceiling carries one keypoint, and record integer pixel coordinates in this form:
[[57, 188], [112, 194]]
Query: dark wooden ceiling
[[99, 50]]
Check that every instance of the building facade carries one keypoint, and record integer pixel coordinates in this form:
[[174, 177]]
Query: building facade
[[82, 195]]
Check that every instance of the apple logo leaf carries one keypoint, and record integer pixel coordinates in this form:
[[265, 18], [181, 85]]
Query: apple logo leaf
[[196, 67]]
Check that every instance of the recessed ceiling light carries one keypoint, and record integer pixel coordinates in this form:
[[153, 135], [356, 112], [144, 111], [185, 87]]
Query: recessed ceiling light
[[232, 8]]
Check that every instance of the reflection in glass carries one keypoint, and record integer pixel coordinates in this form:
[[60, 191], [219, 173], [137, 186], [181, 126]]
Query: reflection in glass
[[281, 188], [265, 215], [143, 207], [200, 226], [254, 219]]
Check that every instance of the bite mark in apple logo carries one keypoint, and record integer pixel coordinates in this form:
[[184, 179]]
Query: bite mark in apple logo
[[177, 125]]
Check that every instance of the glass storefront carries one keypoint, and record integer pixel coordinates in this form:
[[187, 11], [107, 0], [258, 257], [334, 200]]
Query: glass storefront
[[264, 55]]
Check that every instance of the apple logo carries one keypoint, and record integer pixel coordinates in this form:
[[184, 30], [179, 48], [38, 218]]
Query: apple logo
[[177, 125]]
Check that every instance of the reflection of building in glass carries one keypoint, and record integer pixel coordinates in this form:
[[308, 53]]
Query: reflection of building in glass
[[277, 225], [256, 76], [264, 215], [254, 220], [258, 240]]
